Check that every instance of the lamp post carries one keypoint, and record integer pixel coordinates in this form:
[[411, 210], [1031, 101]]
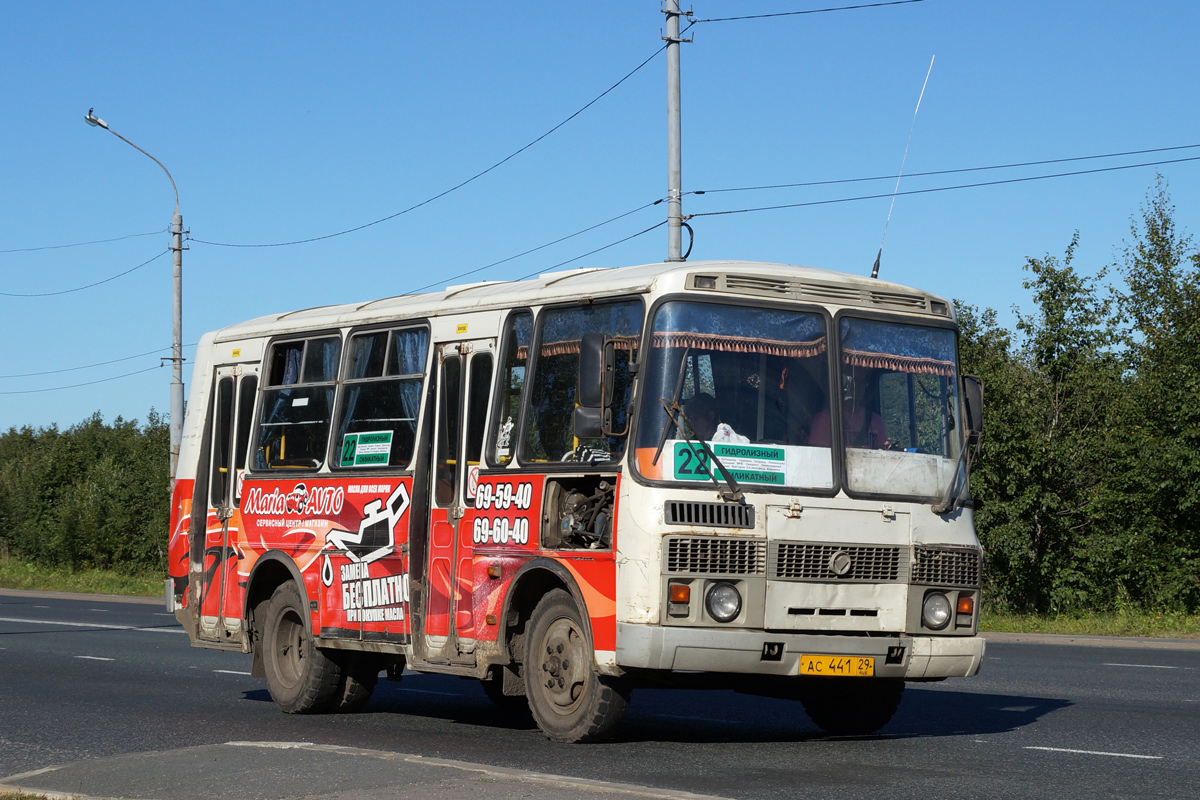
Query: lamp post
[[177, 302]]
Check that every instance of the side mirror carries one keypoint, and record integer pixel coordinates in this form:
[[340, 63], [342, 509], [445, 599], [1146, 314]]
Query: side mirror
[[594, 395], [972, 392], [590, 423], [595, 371]]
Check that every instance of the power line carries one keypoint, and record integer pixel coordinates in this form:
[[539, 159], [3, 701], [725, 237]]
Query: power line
[[89, 286], [942, 188], [89, 366], [593, 252], [88, 383], [810, 11], [456, 187], [946, 171], [82, 244], [444, 281]]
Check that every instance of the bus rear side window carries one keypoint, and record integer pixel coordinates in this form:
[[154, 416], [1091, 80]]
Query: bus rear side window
[[294, 425], [381, 398]]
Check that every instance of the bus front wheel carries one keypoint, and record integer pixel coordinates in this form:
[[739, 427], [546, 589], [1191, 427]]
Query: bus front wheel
[[569, 700], [301, 678]]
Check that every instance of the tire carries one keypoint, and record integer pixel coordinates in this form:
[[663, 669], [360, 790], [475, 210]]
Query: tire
[[360, 673], [851, 706], [569, 700], [301, 678]]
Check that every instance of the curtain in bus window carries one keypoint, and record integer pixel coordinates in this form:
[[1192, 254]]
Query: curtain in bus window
[[408, 352], [322, 362], [409, 349], [550, 432]]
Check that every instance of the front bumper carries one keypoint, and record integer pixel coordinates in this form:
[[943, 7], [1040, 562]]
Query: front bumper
[[717, 650]]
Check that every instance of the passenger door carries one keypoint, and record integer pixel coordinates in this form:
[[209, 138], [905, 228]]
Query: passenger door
[[234, 391], [464, 391]]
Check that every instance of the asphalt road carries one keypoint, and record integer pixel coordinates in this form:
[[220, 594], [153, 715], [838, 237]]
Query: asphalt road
[[113, 690]]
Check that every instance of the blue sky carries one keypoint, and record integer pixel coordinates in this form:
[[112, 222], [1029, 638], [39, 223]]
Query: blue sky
[[284, 121]]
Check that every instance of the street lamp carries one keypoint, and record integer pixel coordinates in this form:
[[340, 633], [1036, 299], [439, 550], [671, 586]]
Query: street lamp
[[177, 302]]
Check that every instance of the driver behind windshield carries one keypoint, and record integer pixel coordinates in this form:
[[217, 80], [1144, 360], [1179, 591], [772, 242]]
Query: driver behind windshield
[[862, 427], [702, 412]]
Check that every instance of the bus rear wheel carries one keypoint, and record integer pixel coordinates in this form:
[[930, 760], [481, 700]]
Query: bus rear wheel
[[851, 706], [360, 673], [569, 700], [301, 678]]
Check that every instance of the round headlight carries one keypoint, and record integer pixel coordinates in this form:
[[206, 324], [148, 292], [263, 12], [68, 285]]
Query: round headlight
[[724, 602], [935, 611]]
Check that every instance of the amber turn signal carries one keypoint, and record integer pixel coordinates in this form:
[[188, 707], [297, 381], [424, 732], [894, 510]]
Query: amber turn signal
[[966, 605], [490, 619], [681, 593], [494, 571]]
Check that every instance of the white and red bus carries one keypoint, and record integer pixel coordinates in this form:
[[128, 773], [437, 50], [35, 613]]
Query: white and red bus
[[713, 474]]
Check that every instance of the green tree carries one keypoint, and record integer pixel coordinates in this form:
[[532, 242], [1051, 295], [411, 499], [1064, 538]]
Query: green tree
[[1161, 267]]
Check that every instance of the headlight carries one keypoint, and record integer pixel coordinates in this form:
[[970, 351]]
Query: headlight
[[723, 602], [935, 611]]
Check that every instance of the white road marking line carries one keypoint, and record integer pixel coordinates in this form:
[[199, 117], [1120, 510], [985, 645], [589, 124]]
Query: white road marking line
[[565, 781], [101, 610], [96, 658], [41, 606], [230, 672], [92, 625], [426, 691], [1142, 666], [1094, 752]]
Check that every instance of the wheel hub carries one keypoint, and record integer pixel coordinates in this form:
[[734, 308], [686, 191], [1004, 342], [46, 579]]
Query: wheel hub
[[563, 675]]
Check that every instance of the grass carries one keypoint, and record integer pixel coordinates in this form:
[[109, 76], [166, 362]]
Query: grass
[[1114, 623], [19, 575]]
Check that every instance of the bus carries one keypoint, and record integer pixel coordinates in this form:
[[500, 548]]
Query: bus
[[715, 474]]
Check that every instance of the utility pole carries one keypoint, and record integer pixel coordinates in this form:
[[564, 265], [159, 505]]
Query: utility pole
[[674, 147], [176, 423]]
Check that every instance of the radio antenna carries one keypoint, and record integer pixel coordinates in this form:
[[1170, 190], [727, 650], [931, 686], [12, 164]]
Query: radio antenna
[[875, 269]]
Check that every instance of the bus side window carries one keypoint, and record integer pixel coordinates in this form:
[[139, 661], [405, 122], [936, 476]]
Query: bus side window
[[549, 433], [297, 404], [381, 398], [218, 484], [245, 420], [512, 382], [478, 392]]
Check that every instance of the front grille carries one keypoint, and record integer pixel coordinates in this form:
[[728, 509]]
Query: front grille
[[713, 515], [717, 556], [816, 562], [945, 567]]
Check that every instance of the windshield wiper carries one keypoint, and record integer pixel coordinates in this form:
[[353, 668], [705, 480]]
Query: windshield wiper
[[674, 412], [962, 466]]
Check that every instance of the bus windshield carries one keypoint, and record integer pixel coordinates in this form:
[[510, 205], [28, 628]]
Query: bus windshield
[[754, 384], [899, 404]]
